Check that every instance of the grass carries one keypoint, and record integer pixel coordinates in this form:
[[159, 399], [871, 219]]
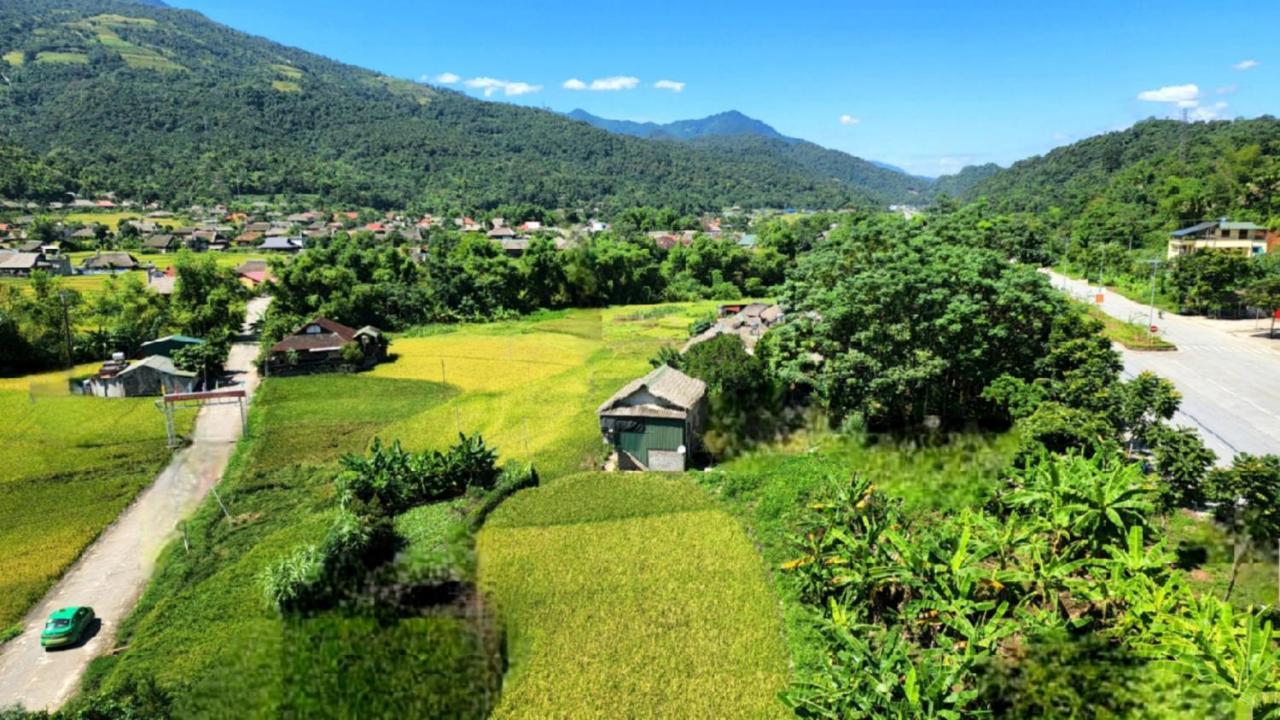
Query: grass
[[768, 488], [286, 86], [203, 628], [289, 72], [14, 58], [63, 58], [1131, 335], [113, 219], [631, 595], [68, 466], [531, 386], [1206, 550]]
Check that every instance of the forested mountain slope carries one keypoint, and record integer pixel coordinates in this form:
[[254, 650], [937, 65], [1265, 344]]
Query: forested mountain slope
[[1158, 172], [734, 133], [155, 103]]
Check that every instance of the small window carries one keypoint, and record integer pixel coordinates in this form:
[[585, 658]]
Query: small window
[[313, 330]]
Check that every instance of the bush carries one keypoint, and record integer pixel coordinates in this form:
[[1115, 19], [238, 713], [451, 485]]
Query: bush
[[322, 576], [396, 479]]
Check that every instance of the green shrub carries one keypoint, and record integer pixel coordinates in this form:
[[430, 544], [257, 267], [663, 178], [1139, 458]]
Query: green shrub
[[397, 480], [321, 576]]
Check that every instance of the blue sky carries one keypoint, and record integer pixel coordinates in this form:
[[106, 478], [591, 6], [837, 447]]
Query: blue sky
[[929, 86]]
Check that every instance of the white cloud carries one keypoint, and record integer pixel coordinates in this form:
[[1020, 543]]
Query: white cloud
[[1188, 103], [1227, 89], [617, 82], [1171, 94], [671, 85], [447, 78], [1245, 64], [506, 87], [849, 120], [1207, 113]]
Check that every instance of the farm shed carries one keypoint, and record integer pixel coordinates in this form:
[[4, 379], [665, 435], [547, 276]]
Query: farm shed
[[316, 346], [155, 375], [655, 422], [167, 345]]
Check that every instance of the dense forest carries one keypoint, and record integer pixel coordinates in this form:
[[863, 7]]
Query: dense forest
[[160, 104], [734, 132], [1154, 176]]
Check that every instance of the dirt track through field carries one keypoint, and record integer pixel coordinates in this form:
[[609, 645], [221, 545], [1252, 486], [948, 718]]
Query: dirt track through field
[[113, 571]]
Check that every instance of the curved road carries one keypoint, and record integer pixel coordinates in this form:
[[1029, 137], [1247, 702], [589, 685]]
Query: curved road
[[1228, 372], [113, 571]]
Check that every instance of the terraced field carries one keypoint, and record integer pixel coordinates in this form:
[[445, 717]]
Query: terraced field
[[530, 387], [631, 595]]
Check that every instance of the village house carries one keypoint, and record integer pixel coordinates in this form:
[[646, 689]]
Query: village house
[[500, 233], [161, 243], [108, 262], [84, 235], [283, 244], [749, 322], [1243, 238], [22, 264], [162, 282], [655, 422], [253, 273], [167, 345], [317, 346], [154, 375]]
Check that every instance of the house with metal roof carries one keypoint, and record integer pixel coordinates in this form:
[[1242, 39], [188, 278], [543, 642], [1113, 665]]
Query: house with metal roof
[[655, 422], [167, 345], [22, 264], [154, 375], [1244, 238], [317, 346]]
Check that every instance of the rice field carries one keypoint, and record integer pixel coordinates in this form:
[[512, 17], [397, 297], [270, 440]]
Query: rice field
[[615, 591], [113, 219], [68, 466], [631, 596]]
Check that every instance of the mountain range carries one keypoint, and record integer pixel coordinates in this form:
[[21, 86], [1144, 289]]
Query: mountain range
[[734, 130], [155, 103], [162, 104]]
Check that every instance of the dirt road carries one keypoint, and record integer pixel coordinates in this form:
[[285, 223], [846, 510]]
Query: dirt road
[[113, 571]]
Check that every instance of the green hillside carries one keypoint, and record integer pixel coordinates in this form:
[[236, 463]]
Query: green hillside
[[1158, 172], [164, 104]]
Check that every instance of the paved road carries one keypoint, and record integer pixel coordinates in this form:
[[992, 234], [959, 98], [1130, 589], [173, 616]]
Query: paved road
[[112, 572], [1227, 371]]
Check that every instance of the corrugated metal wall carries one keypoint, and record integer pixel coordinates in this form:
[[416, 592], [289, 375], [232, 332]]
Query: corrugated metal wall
[[658, 435]]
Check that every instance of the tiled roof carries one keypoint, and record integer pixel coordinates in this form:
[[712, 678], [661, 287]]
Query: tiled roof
[[664, 382]]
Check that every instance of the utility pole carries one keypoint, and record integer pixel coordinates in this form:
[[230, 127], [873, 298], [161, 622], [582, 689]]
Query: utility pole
[[1151, 309], [66, 326]]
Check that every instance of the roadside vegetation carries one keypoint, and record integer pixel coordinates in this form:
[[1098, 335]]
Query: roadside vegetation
[[1132, 335]]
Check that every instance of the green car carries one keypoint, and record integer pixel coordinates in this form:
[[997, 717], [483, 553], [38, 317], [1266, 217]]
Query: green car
[[65, 626]]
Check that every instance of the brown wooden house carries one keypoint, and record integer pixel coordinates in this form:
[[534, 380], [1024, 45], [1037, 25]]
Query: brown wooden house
[[317, 346]]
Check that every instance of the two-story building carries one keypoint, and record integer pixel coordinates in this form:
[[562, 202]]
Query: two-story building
[[1244, 238]]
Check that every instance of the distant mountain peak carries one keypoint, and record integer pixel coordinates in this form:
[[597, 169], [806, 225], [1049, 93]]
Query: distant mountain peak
[[729, 122]]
